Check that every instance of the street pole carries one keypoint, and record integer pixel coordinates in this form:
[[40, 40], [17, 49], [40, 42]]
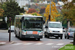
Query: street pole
[[74, 39], [50, 12], [10, 30]]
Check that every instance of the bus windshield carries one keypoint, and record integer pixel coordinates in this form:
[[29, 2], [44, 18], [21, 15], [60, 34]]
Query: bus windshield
[[30, 24]]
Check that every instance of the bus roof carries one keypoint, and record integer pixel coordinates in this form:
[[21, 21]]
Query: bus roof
[[26, 16], [53, 22]]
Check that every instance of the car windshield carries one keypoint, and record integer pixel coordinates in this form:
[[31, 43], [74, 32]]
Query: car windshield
[[71, 30], [55, 25]]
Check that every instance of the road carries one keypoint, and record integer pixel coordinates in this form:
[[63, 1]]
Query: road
[[32, 44]]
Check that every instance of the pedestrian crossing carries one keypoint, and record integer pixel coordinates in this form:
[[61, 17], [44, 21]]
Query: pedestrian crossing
[[47, 44]]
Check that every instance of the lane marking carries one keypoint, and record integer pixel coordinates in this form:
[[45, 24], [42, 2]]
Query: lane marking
[[49, 44], [2, 42], [38, 43], [28, 43], [17, 44], [60, 44]]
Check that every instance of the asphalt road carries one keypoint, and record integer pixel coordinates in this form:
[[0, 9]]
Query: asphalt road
[[31, 44]]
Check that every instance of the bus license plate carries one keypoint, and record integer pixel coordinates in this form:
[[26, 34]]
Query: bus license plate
[[32, 37]]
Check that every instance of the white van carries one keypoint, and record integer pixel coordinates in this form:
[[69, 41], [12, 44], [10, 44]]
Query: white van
[[53, 29]]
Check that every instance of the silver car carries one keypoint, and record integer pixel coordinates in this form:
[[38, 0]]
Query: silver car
[[70, 33], [12, 28]]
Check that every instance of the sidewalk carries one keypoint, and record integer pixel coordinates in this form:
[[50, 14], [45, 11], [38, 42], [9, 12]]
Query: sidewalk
[[3, 31]]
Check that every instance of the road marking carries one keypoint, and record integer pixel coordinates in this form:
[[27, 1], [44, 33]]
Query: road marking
[[17, 44], [2, 42], [28, 43], [49, 43], [60, 44], [38, 43], [55, 46]]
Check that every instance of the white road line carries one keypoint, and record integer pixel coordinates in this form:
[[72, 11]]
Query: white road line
[[60, 44], [49, 43], [38, 43], [17, 44], [28, 43], [2, 42]]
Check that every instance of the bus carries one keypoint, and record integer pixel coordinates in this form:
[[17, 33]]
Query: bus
[[28, 26]]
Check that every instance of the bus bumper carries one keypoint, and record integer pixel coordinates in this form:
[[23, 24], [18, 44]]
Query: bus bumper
[[32, 36]]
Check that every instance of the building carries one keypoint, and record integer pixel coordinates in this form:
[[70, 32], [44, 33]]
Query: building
[[23, 2]]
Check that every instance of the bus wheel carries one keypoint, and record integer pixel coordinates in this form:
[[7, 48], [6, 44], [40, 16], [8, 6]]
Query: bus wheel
[[16, 35], [20, 36], [38, 39]]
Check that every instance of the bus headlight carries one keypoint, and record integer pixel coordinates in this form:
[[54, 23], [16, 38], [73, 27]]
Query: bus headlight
[[40, 33], [24, 32]]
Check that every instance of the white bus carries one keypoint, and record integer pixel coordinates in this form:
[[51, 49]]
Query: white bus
[[28, 26]]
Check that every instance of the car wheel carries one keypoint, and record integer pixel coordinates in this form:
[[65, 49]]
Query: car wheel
[[45, 36], [57, 37], [61, 37], [15, 34], [48, 36], [67, 37]]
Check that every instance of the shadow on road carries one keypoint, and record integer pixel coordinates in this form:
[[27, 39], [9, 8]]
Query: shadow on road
[[29, 39], [52, 38]]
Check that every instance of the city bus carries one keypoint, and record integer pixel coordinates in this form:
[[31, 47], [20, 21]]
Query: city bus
[[28, 26]]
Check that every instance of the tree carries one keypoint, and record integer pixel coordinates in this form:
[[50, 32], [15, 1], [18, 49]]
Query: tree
[[36, 14], [69, 12], [42, 10], [54, 12], [11, 9], [31, 10], [1, 12]]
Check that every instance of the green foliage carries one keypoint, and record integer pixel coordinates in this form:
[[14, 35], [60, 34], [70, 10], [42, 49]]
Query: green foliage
[[34, 14], [68, 47], [69, 12], [11, 9], [74, 1], [64, 0]]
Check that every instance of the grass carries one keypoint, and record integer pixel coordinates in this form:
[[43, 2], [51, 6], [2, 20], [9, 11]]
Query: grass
[[68, 47]]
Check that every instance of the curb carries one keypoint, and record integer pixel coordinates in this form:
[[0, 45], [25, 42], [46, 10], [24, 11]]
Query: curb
[[12, 42]]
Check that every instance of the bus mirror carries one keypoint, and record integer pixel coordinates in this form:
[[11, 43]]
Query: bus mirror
[[43, 22], [22, 19]]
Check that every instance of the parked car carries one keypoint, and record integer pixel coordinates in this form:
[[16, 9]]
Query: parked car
[[64, 30], [12, 28], [70, 33]]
